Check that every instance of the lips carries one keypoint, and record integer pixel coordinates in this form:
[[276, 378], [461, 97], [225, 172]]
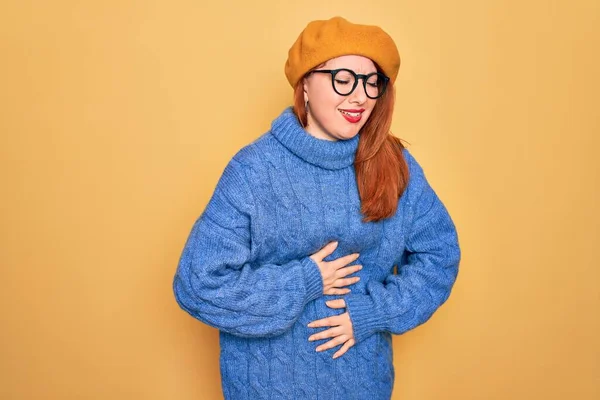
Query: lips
[[352, 116]]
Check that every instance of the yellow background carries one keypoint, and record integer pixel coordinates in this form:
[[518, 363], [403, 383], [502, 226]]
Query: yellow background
[[117, 118]]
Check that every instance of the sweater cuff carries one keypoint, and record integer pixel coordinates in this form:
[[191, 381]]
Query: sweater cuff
[[363, 314], [312, 279]]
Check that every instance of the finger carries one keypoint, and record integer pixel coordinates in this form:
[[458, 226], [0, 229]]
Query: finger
[[333, 343], [337, 303], [343, 272], [336, 291], [344, 348], [346, 282], [329, 333], [325, 251], [329, 321], [343, 261]]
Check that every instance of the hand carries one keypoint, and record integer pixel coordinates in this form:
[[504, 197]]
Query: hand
[[341, 332], [334, 272]]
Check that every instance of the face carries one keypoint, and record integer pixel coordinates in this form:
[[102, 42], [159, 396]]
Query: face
[[330, 115]]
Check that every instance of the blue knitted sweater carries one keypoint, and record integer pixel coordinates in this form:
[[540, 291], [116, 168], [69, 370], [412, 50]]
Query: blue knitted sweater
[[246, 271]]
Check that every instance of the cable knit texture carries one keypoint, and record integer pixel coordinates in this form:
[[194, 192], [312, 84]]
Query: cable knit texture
[[246, 271]]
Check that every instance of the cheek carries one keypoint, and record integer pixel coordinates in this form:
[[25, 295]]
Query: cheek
[[325, 107], [367, 114], [329, 100]]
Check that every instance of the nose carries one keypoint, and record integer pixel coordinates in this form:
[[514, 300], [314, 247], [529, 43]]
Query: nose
[[358, 96]]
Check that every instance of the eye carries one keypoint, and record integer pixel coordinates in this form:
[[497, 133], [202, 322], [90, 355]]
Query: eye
[[341, 82], [373, 81]]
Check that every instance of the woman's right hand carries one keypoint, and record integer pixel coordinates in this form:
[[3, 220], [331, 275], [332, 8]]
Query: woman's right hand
[[334, 273]]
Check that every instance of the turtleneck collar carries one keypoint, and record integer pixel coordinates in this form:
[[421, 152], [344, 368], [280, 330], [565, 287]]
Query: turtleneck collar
[[322, 153]]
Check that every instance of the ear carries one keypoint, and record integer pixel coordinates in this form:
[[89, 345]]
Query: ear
[[305, 88]]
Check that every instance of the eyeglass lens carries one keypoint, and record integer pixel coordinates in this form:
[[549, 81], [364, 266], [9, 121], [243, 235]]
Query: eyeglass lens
[[344, 81]]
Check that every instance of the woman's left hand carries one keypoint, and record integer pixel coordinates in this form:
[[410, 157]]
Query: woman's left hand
[[341, 330]]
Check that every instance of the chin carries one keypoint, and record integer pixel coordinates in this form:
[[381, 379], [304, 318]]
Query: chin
[[346, 136], [351, 132]]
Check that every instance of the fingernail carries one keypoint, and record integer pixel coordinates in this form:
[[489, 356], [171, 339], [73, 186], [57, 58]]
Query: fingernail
[[310, 325]]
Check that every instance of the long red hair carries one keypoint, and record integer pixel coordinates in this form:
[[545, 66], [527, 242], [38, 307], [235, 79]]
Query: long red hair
[[381, 170]]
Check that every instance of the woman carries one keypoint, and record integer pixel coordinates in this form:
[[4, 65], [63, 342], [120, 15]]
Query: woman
[[293, 258]]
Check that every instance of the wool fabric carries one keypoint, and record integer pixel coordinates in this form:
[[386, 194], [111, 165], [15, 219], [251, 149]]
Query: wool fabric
[[323, 40], [246, 268]]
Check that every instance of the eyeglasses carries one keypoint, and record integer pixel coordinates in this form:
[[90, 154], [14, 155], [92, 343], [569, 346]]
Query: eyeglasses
[[344, 81]]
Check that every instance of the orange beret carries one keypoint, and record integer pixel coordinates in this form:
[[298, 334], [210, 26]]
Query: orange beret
[[323, 40]]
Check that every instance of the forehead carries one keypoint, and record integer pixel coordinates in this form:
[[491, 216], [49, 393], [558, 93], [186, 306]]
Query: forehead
[[358, 64]]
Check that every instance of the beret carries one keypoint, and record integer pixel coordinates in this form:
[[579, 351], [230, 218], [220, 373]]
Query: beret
[[323, 40]]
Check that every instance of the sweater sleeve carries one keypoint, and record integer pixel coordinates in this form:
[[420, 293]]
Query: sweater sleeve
[[426, 275], [216, 281]]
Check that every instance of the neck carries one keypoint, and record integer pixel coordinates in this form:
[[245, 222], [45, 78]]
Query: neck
[[325, 153]]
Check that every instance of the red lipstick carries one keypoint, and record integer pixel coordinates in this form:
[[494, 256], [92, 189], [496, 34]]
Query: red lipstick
[[352, 118]]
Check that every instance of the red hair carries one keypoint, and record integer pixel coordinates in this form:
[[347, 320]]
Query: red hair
[[381, 170]]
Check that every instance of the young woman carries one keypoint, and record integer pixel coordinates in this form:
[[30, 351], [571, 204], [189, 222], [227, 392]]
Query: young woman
[[293, 258]]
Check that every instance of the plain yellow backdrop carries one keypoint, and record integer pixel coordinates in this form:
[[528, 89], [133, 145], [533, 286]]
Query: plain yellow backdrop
[[118, 117]]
